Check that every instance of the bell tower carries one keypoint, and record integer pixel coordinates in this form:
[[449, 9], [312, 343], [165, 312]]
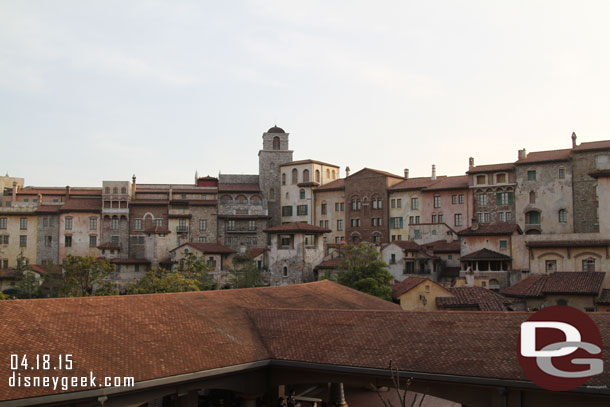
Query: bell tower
[[275, 152]]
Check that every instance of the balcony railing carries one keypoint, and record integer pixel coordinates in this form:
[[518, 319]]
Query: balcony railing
[[241, 229], [182, 229]]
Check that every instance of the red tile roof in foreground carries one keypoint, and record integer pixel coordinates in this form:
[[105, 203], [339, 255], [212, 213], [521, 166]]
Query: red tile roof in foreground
[[566, 282], [297, 227], [157, 335], [162, 335], [473, 297]]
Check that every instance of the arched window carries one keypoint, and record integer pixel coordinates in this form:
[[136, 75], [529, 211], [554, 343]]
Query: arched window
[[285, 271], [107, 190], [276, 143], [272, 194], [283, 178], [226, 198], [241, 199], [588, 264], [115, 190], [318, 176], [301, 193], [334, 174], [327, 173], [532, 197], [287, 195], [494, 284], [256, 200], [295, 176], [123, 190], [305, 175]]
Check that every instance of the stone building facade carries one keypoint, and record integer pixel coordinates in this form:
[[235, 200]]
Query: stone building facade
[[275, 152], [329, 211], [493, 188], [448, 201], [366, 205], [47, 250]]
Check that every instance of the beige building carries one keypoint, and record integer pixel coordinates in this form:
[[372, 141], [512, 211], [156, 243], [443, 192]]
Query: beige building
[[79, 227], [418, 294], [329, 212], [18, 233], [298, 179], [217, 257]]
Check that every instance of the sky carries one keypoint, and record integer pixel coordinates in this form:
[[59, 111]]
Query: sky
[[101, 90]]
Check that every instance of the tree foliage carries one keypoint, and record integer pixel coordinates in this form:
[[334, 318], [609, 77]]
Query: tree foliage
[[164, 281], [197, 269], [245, 272], [86, 276], [27, 283], [363, 270]]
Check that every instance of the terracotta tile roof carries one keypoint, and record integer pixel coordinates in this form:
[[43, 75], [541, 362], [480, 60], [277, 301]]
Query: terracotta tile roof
[[297, 227], [157, 335], [8, 274], [254, 252], [330, 264], [600, 173], [441, 246], [308, 184], [211, 248], [593, 145], [545, 156], [387, 174], [409, 283], [45, 268], [336, 185], [407, 245], [473, 297], [129, 261], [604, 297], [109, 246], [82, 205], [485, 254], [491, 168], [59, 191], [485, 229], [48, 209], [159, 230], [456, 182], [567, 243], [239, 188], [308, 162], [415, 183], [566, 282]]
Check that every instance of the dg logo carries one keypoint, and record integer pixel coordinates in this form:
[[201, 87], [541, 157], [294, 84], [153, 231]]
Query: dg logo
[[560, 348]]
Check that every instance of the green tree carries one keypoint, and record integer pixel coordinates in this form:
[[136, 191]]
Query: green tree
[[164, 281], [195, 268], [86, 276], [363, 270], [245, 272], [27, 283]]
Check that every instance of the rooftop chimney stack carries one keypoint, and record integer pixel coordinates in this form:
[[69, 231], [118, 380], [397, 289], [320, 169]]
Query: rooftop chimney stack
[[521, 154], [133, 186], [433, 172], [347, 170], [67, 192], [471, 163], [406, 173], [15, 186], [574, 140]]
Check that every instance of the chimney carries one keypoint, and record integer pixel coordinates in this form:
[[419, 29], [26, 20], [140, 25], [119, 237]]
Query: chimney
[[471, 163], [574, 140], [406, 173], [433, 172], [521, 154], [39, 199], [171, 193], [67, 192], [347, 170], [133, 186], [475, 224], [15, 187]]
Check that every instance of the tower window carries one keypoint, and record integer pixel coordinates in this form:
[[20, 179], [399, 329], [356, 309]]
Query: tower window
[[276, 143]]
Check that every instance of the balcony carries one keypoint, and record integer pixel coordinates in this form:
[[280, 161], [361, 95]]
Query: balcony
[[241, 229], [182, 229]]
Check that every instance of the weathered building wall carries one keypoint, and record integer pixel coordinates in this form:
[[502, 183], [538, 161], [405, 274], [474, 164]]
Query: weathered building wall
[[80, 233], [586, 203], [47, 248], [13, 249], [423, 297], [269, 161], [299, 260], [334, 213]]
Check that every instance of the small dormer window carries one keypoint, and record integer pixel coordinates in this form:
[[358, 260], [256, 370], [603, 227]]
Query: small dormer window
[[481, 180], [501, 179]]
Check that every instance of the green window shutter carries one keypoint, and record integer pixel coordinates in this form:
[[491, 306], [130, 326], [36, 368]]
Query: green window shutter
[[498, 198], [510, 198], [400, 222]]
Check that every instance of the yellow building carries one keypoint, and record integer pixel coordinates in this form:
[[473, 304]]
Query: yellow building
[[418, 294], [18, 233], [329, 210]]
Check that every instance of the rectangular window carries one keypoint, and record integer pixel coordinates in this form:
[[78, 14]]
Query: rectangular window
[[393, 203], [23, 241], [482, 199], [310, 241], [562, 172], [434, 218], [157, 222], [458, 219], [203, 224], [114, 223], [396, 223], [437, 201], [409, 267], [563, 216], [92, 223], [355, 222], [507, 216], [588, 264], [336, 206], [2, 223], [326, 224], [285, 241], [440, 218], [68, 223], [417, 234], [4, 239], [48, 241], [323, 209], [287, 210], [51, 222], [301, 210], [68, 241], [504, 198], [23, 223], [340, 224], [92, 241], [461, 198], [399, 203], [8, 203], [503, 244], [417, 220], [114, 240], [501, 179], [231, 224], [501, 217], [531, 175], [251, 225], [454, 199], [202, 239], [486, 217], [138, 224], [5, 264], [414, 203], [45, 222]]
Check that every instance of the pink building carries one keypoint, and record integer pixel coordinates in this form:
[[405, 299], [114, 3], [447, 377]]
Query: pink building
[[448, 201]]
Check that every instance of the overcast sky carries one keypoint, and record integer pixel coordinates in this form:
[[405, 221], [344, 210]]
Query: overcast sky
[[93, 90]]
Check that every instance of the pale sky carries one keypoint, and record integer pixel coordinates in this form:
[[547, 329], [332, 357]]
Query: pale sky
[[93, 90]]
